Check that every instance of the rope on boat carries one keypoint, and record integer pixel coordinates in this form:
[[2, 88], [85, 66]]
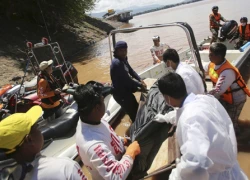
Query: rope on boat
[[44, 19]]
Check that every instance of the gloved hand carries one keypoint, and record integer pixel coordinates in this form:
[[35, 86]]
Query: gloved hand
[[168, 117], [133, 150]]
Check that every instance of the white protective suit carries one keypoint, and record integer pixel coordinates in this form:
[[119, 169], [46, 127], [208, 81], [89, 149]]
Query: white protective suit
[[193, 83], [192, 79], [207, 141]]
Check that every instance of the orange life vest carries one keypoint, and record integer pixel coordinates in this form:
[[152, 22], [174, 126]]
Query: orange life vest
[[214, 76], [49, 102], [247, 32], [5, 88], [217, 18]]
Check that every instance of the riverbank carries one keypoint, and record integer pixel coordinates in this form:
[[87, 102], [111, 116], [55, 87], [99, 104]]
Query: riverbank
[[72, 38]]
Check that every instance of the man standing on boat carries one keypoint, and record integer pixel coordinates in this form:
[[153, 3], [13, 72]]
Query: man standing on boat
[[125, 80], [101, 150], [204, 133], [243, 33], [229, 86], [48, 90], [157, 49], [191, 77], [215, 25]]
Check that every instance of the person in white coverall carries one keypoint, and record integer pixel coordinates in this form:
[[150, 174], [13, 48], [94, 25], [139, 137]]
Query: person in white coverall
[[190, 76], [100, 149], [205, 134]]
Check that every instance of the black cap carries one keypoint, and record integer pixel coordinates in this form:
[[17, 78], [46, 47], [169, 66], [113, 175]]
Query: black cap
[[243, 19], [121, 44], [215, 8]]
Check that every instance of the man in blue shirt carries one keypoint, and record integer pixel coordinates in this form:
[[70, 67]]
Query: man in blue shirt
[[125, 80]]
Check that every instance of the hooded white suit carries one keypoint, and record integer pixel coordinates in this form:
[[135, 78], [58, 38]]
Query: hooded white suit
[[191, 78], [207, 141]]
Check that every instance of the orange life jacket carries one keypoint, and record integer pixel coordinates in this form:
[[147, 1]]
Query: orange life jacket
[[5, 88], [214, 76], [247, 32], [52, 85], [217, 18]]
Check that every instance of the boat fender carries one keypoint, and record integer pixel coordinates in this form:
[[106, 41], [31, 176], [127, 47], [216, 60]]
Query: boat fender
[[244, 47]]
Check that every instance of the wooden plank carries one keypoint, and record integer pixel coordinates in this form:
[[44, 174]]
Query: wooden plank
[[161, 158], [166, 154], [149, 82]]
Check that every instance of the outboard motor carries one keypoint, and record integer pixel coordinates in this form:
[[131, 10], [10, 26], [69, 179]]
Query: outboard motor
[[104, 89], [228, 30]]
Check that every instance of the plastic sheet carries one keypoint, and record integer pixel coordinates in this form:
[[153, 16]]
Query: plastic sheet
[[148, 133]]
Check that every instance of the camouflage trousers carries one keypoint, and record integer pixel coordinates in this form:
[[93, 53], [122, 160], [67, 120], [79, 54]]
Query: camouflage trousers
[[215, 33], [234, 111]]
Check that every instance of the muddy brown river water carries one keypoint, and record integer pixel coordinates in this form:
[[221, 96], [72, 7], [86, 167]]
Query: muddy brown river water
[[94, 62]]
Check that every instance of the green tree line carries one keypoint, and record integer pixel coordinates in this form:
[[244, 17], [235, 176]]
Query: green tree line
[[55, 12]]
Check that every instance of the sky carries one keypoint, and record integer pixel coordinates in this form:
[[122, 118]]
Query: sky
[[104, 5]]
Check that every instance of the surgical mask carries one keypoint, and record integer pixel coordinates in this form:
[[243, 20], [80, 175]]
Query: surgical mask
[[243, 24], [169, 103], [169, 68]]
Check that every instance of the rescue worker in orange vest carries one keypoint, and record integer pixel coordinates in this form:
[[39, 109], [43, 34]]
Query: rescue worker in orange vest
[[243, 33], [229, 86], [48, 90], [215, 19]]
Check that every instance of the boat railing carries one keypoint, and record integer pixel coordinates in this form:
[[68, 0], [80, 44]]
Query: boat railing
[[56, 50], [185, 26], [241, 59]]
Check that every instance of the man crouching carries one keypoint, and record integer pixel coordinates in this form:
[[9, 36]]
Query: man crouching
[[100, 148]]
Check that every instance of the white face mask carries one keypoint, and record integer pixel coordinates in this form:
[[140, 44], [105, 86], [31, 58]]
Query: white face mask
[[243, 24], [169, 103], [169, 68]]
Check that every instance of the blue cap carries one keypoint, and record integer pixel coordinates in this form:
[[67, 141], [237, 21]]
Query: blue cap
[[121, 44]]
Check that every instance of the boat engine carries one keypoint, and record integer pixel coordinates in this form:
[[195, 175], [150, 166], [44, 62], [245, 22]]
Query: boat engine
[[228, 30]]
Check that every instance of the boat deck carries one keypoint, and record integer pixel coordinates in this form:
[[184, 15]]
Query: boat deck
[[167, 152]]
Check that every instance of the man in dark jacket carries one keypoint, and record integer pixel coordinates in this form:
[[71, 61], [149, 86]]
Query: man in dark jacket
[[125, 80]]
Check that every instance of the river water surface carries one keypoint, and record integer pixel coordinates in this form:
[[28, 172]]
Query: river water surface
[[93, 64]]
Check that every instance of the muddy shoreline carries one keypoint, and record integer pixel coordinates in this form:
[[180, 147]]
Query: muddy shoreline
[[73, 38]]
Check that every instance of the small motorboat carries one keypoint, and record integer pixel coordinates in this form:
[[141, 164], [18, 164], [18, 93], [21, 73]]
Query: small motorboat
[[161, 159]]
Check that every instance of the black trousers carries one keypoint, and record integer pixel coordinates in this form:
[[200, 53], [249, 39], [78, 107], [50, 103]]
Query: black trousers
[[49, 112], [128, 104]]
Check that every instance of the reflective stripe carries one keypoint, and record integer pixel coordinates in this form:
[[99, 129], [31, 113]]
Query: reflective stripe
[[214, 76]]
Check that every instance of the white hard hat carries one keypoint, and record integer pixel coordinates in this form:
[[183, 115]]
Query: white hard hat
[[155, 37], [43, 65]]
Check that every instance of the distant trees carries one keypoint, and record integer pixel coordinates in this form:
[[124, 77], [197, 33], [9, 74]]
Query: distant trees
[[55, 11]]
